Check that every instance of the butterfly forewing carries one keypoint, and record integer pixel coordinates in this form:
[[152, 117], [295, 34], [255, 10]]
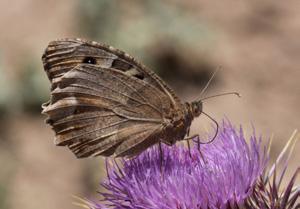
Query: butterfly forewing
[[103, 101]]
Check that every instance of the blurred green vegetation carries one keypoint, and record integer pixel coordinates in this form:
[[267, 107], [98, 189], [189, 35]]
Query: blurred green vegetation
[[3, 196], [27, 93], [162, 35], [8, 169], [137, 24], [34, 87], [5, 181], [5, 91]]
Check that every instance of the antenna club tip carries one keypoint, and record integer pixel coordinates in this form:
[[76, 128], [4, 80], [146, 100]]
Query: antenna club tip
[[217, 95], [238, 94]]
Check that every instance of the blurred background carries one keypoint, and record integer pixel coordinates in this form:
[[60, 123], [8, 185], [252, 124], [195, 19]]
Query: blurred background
[[255, 42]]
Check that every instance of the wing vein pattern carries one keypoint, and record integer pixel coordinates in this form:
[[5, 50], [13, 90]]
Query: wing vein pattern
[[115, 106]]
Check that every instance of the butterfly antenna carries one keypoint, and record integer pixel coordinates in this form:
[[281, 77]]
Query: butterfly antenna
[[217, 129], [223, 94], [161, 159], [209, 81]]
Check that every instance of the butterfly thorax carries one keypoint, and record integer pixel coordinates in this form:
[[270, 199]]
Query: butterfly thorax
[[177, 126]]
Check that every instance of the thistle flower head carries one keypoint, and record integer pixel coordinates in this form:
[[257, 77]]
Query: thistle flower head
[[227, 174], [269, 192]]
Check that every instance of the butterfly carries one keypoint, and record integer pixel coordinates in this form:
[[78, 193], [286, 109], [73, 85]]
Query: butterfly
[[104, 102]]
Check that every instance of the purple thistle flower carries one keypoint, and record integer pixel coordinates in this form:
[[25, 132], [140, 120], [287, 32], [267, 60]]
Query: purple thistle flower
[[268, 192], [228, 177]]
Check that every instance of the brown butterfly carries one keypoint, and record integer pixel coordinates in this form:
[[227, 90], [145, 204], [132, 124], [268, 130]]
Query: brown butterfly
[[104, 102]]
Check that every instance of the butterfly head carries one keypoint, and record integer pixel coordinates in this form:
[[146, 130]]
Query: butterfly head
[[196, 108]]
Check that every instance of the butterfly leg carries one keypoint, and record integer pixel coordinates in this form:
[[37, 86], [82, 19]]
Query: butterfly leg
[[198, 144], [189, 148], [198, 147], [188, 143], [161, 160]]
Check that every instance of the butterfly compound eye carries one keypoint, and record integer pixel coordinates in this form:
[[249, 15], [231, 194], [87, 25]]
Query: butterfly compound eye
[[89, 60], [197, 108]]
